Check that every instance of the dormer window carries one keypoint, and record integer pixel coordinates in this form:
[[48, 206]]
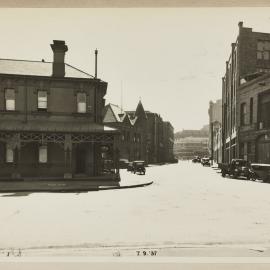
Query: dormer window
[[10, 99], [81, 102], [42, 100]]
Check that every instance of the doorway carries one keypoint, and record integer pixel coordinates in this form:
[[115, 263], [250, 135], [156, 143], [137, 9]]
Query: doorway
[[80, 159]]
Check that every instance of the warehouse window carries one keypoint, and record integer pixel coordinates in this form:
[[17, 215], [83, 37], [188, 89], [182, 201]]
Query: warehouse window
[[9, 154], [42, 100], [10, 99], [251, 111], [263, 50], [43, 158], [81, 103], [243, 113]]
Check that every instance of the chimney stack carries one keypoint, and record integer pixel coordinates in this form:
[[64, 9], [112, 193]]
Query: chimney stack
[[59, 49]]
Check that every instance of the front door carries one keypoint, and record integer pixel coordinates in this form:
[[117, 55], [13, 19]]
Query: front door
[[80, 159]]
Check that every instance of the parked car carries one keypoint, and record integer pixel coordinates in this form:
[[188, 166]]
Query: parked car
[[108, 166], [205, 161], [138, 166], [123, 163], [237, 168], [197, 159], [130, 167], [261, 171]]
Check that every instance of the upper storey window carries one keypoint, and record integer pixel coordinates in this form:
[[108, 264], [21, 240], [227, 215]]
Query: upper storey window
[[42, 100], [243, 114], [81, 102], [10, 99], [263, 50]]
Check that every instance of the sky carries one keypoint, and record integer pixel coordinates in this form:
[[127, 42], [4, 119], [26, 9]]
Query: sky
[[172, 59]]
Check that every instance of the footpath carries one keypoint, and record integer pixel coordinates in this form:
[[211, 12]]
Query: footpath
[[127, 180]]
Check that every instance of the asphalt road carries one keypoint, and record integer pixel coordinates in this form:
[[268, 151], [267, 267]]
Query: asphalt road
[[189, 210]]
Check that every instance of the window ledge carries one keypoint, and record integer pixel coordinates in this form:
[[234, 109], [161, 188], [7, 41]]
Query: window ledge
[[82, 114], [9, 111], [41, 113]]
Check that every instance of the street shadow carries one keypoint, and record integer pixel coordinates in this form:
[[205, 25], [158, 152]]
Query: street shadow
[[16, 194]]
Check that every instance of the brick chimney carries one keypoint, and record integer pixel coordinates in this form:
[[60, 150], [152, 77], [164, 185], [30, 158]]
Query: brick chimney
[[59, 49]]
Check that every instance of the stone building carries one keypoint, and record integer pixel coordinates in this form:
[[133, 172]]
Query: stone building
[[51, 120], [250, 54], [215, 130], [253, 117]]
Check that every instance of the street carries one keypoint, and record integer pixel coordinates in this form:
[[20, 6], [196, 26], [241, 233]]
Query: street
[[187, 205]]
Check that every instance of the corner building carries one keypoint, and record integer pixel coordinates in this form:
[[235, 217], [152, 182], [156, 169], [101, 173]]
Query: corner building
[[51, 120]]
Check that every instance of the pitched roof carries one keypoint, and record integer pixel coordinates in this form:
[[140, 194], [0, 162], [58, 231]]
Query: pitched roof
[[118, 112], [114, 113], [140, 112], [38, 68]]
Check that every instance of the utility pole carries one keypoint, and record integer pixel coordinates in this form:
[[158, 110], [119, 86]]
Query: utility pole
[[212, 143]]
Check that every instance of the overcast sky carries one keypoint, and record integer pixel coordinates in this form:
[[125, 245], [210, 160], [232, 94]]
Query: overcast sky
[[173, 59]]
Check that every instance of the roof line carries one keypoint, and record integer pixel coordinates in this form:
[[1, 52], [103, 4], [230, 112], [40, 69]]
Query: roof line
[[23, 60], [113, 112], [48, 62], [80, 70]]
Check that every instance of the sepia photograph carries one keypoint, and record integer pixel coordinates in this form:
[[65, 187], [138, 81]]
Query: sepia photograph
[[135, 133]]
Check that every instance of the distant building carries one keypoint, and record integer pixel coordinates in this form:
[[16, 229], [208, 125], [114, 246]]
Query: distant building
[[190, 143], [215, 130], [132, 140], [143, 136], [250, 56]]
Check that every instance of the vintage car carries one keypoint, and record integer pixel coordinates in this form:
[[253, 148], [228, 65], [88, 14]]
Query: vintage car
[[261, 171], [138, 166], [197, 159], [205, 161], [108, 166], [123, 163], [130, 166], [237, 168]]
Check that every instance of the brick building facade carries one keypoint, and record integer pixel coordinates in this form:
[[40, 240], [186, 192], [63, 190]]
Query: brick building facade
[[132, 140], [249, 56], [168, 141], [51, 120], [254, 119], [143, 134], [215, 130]]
